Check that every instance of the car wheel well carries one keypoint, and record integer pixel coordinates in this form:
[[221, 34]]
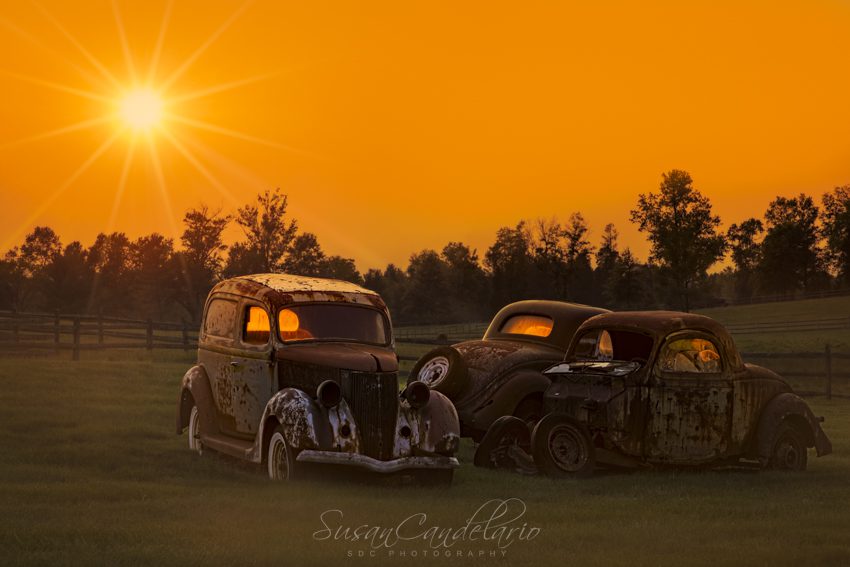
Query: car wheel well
[[799, 423], [186, 403], [268, 428]]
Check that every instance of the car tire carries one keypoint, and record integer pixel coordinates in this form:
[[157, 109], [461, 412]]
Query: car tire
[[442, 370], [195, 444], [505, 432], [562, 447], [530, 410], [280, 457], [788, 452]]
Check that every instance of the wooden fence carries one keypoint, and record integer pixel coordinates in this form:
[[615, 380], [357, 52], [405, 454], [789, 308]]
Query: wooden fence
[[56, 332]]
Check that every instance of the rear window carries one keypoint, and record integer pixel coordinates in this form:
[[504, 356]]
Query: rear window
[[533, 325], [221, 318], [332, 321]]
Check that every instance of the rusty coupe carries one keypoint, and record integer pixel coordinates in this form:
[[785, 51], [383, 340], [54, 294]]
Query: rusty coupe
[[657, 388], [500, 374], [295, 370]]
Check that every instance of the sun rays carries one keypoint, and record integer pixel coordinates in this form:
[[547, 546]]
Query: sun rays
[[145, 110]]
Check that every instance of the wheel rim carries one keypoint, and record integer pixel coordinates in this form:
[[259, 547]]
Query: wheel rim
[[434, 370], [500, 455], [567, 447], [787, 454], [195, 430], [278, 460]]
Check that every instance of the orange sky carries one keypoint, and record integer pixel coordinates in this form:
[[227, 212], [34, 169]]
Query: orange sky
[[420, 123]]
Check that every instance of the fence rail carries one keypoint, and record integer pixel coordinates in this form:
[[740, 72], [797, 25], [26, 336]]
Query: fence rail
[[26, 331]]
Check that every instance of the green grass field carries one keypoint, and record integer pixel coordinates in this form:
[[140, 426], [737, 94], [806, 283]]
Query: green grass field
[[91, 473]]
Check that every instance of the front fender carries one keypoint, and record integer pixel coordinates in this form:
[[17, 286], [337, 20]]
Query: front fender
[[434, 428], [305, 423], [789, 406], [195, 387]]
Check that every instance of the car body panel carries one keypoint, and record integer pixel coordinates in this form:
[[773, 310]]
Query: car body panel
[[245, 390], [661, 416]]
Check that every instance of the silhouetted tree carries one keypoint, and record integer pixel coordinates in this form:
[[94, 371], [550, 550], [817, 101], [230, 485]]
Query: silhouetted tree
[[790, 256], [836, 229], [200, 260], [682, 232], [746, 253], [108, 259], [466, 282], [426, 297], [154, 277], [578, 253], [510, 264], [68, 281], [305, 257], [607, 256], [340, 268], [268, 235]]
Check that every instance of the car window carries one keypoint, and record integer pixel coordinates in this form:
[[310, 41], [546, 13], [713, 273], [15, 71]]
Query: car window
[[332, 321], [221, 318], [613, 344], [534, 325], [693, 355], [256, 327]]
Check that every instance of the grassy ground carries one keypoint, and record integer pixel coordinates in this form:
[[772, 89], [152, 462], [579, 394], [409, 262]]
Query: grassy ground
[[92, 473]]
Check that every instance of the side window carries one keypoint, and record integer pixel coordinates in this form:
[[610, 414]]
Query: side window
[[256, 327], [221, 318], [690, 355]]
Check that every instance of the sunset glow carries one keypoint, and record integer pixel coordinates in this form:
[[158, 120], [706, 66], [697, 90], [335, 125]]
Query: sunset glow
[[373, 127], [141, 109]]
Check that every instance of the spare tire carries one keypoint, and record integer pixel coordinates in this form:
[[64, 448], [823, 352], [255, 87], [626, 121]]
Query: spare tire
[[442, 370], [494, 450]]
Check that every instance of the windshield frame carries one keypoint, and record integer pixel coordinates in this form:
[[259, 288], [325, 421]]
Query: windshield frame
[[571, 356], [384, 317]]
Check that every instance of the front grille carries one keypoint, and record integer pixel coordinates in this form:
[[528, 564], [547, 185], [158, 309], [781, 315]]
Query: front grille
[[373, 399]]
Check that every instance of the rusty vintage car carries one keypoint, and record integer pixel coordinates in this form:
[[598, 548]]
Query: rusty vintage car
[[295, 370], [500, 374], [644, 389]]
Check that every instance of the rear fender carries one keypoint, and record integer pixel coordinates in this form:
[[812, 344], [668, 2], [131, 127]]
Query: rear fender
[[788, 406], [504, 401], [195, 388]]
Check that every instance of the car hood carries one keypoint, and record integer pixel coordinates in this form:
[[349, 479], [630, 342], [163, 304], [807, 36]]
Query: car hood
[[350, 356], [489, 360]]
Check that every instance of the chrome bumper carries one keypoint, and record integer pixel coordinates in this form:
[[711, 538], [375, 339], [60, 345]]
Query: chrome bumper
[[362, 461]]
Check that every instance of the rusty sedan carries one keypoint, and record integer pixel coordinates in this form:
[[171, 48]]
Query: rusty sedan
[[658, 389], [500, 374], [295, 370]]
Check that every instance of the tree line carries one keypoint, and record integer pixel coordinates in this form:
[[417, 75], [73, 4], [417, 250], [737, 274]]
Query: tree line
[[798, 246]]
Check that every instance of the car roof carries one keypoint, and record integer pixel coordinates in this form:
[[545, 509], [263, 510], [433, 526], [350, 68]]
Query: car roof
[[566, 316], [284, 289], [662, 323]]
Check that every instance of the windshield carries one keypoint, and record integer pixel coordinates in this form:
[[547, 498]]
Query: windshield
[[332, 321], [611, 344]]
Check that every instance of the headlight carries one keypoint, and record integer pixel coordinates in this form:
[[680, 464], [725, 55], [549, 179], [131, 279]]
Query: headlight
[[417, 394], [328, 393]]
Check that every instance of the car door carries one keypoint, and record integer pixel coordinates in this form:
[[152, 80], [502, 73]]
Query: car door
[[252, 367], [689, 401], [217, 344]]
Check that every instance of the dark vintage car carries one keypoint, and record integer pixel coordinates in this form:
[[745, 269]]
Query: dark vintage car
[[501, 373], [296, 370], [658, 388]]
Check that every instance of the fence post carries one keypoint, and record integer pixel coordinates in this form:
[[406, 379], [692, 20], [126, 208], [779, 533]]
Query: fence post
[[828, 353], [16, 338], [76, 352], [56, 330], [185, 336], [149, 335], [99, 328]]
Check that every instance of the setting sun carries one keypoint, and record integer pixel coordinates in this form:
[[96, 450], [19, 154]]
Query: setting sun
[[141, 109]]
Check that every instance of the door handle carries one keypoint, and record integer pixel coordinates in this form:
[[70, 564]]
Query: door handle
[[235, 363]]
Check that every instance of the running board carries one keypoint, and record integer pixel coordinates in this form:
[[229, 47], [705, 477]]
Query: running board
[[239, 448]]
